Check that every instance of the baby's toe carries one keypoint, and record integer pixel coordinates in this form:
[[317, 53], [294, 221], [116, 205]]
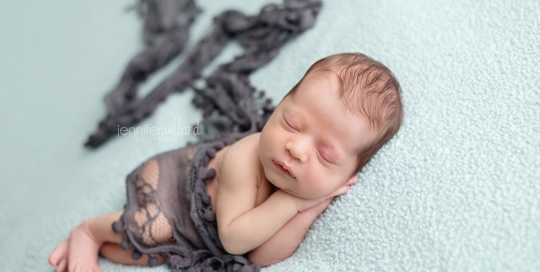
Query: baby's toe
[[58, 253], [61, 267]]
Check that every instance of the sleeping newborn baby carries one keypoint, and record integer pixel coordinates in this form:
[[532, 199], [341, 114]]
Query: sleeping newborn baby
[[269, 187]]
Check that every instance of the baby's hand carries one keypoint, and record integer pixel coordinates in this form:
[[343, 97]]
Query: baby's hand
[[306, 204]]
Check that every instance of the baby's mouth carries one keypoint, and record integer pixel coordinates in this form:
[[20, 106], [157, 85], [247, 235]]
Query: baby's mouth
[[282, 169]]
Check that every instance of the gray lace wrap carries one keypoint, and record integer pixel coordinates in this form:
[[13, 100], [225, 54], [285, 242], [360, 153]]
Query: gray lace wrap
[[169, 212]]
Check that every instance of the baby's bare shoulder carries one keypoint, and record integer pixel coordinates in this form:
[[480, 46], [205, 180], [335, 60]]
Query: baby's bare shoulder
[[245, 150], [242, 160]]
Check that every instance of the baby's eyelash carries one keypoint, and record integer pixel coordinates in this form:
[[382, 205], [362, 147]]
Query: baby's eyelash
[[288, 124], [324, 157]]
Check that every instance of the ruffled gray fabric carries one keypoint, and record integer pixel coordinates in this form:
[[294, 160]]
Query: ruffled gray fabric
[[168, 210], [227, 99]]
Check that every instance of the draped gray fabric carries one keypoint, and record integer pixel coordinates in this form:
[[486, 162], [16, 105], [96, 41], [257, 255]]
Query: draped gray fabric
[[227, 100], [168, 210]]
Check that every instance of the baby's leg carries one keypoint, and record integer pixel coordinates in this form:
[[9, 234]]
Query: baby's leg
[[114, 253], [110, 248], [80, 251]]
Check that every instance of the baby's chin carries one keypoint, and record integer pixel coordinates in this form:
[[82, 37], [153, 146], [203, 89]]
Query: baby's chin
[[279, 185]]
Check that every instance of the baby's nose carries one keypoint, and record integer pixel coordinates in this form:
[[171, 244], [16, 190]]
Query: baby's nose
[[298, 150]]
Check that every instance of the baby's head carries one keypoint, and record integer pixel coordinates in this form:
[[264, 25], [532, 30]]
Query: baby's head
[[344, 109], [366, 88]]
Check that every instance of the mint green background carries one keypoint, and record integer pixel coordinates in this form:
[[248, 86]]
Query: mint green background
[[457, 189]]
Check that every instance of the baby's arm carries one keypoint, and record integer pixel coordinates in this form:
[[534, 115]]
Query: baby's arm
[[242, 226], [285, 242]]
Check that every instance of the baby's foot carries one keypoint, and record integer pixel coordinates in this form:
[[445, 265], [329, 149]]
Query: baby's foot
[[79, 252], [58, 257], [83, 249]]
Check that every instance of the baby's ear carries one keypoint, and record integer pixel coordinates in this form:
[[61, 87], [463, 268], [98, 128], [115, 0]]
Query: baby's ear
[[352, 180]]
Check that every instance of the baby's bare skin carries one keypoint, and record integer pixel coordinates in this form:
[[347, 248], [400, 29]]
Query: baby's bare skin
[[77, 253], [264, 188]]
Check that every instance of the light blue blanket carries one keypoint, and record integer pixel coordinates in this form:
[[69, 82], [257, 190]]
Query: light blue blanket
[[458, 188]]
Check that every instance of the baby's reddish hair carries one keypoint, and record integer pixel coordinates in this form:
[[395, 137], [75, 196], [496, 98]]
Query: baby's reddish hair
[[368, 88]]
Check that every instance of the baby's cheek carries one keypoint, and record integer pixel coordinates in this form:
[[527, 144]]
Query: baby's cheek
[[318, 187]]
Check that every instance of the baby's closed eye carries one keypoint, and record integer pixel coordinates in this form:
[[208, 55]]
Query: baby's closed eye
[[327, 154], [289, 124]]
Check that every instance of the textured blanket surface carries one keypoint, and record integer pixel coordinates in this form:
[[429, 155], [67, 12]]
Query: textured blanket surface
[[457, 189]]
